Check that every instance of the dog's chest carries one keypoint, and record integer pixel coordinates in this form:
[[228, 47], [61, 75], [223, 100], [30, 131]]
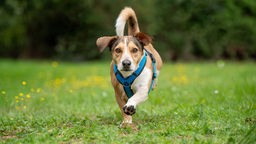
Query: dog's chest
[[143, 80]]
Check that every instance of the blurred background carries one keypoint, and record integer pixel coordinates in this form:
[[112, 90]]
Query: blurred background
[[182, 29]]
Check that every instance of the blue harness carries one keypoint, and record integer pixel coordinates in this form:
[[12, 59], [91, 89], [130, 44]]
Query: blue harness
[[127, 82]]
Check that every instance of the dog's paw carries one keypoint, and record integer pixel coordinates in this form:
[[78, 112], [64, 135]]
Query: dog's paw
[[129, 110]]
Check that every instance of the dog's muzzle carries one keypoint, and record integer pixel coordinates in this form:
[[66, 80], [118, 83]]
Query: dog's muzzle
[[126, 65]]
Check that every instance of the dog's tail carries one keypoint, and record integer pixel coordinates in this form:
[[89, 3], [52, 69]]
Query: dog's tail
[[127, 14]]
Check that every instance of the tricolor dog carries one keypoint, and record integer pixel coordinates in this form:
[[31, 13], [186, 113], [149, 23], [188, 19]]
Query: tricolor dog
[[135, 64]]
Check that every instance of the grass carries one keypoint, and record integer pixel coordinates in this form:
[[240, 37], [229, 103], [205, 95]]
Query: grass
[[55, 102]]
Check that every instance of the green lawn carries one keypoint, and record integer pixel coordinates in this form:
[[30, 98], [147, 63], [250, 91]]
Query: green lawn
[[57, 102]]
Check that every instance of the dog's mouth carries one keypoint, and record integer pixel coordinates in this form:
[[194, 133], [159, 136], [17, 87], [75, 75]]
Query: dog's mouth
[[126, 69]]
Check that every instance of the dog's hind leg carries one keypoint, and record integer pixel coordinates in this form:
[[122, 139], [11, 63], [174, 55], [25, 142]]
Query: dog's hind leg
[[155, 80]]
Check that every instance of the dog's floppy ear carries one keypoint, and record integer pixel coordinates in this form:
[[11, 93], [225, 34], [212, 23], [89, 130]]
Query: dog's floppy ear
[[143, 38], [106, 41]]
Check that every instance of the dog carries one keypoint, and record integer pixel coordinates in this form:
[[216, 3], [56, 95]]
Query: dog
[[135, 64]]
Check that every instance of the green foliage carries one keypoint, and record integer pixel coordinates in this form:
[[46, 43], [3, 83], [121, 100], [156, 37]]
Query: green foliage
[[49, 28], [74, 103], [181, 29], [208, 29]]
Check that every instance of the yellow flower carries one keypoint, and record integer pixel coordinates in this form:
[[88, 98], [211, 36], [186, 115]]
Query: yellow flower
[[38, 90], [24, 83], [58, 81], [22, 99], [16, 97], [184, 79], [24, 107], [3, 92], [28, 96], [17, 101], [180, 79], [21, 94]]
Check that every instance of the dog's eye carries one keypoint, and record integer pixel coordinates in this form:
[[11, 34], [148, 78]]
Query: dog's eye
[[134, 50], [118, 50]]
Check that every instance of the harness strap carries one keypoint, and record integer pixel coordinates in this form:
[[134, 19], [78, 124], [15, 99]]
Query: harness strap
[[154, 69], [127, 82]]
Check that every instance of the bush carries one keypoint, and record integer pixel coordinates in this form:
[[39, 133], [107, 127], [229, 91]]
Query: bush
[[208, 29]]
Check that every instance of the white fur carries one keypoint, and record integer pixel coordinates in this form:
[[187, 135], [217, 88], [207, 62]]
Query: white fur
[[140, 87], [120, 24], [125, 56], [127, 120]]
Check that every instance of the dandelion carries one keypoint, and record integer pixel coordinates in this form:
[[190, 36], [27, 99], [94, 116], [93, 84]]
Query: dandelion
[[180, 79], [28, 96], [183, 79], [216, 92], [58, 82], [38, 90], [16, 97], [24, 107], [22, 99], [21, 94], [17, 101], [24, 83], [3, 92]]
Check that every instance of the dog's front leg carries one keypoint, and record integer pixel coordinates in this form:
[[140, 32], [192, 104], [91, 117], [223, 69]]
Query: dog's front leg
[[140, 86], [121, 100], [140, 96]]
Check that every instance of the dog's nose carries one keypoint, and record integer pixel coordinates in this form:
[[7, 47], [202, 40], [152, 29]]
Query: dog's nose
[[126, 63]]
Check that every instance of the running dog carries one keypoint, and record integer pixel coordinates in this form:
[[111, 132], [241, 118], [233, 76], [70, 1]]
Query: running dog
[[135, 63]]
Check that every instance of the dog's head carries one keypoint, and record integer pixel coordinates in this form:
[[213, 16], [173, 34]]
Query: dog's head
[[126, 50]]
